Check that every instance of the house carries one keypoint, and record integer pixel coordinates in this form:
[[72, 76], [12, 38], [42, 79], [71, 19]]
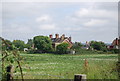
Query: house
[[87, 46], [115, 44], [62, 39]]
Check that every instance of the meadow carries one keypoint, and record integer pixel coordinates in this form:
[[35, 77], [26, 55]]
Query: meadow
[[51, 66]]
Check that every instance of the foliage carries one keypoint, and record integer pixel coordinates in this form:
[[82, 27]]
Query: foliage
[[8, 61], [116, 51], [52, 66], [78, 50], [62, 48], [11, 59], [19, 44], [43, 43], [77, 45], [5, 47], [84, 51], [29, 44], [98, 46]]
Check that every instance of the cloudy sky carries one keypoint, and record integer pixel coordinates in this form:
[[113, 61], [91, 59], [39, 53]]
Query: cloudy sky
[[83, 21]]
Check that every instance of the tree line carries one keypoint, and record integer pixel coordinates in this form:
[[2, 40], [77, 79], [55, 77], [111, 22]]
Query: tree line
[[39, 44], [43, 44]]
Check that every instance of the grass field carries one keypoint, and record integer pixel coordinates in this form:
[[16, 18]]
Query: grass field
[[51, 66]]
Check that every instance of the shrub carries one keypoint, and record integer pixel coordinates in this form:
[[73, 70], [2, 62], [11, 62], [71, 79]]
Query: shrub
[[116, 51], [62, 48], [98, 46]]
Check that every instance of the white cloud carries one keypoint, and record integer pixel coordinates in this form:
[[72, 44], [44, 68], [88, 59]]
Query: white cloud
[[82, 12], [96, 22], [95, 13], [94, 18], [43, 18], [47, 27]]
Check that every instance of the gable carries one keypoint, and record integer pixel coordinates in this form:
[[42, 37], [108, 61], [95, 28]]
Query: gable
[[68, 42]]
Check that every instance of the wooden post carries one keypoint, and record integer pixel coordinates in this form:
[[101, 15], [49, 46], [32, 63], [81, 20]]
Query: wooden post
[[86, 63], [9, 70], [79, 77]]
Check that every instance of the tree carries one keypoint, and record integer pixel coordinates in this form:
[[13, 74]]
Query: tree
[[77, 45], [8, 58], [4, 46], [62, 48], [19, 44], [29, 43], [43, 43], [98, 45]]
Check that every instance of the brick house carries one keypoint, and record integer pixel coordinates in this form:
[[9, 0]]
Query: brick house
[[115, 44], [62, 39]]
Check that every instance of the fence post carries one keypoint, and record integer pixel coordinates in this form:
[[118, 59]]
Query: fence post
[[9, 70], [79, 77]]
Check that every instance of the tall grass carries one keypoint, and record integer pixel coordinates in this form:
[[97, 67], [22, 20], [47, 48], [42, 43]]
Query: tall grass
[[50, 66]]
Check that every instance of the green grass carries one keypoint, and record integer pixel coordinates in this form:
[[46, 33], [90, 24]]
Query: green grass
[[50, 66]]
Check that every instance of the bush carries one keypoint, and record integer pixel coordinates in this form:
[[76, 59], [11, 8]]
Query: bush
[[85, 51], [19, 44], [62, 48], [100, 46], [112, 51], [31, 51]]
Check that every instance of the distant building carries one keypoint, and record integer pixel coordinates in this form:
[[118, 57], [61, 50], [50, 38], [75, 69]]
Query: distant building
[[115, 44], [86, 46], [58, 40], [25, 49]]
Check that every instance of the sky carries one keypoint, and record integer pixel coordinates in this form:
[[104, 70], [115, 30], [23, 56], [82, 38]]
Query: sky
[[83, 21]]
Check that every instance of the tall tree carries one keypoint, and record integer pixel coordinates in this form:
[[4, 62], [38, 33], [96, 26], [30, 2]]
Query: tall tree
[[77, 45], [43, 43], [19, 44], [98, 45], [29, 43]]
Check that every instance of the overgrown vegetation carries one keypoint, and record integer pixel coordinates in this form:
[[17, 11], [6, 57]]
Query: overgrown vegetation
[[62, 48], [19, 44], [8, 60], [98, 46], [43, 44], [51, 66], [95, 47]]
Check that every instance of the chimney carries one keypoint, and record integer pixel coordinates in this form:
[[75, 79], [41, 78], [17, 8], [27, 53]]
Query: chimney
[[70, 38], [51, 36], [116, 41], [63, 36], [56, 36]]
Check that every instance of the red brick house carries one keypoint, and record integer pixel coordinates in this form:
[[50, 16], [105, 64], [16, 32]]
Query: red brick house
[[62, 39], [115, 44]]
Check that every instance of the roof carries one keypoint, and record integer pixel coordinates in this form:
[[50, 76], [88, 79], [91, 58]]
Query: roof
[[116, 42], [58, 40]]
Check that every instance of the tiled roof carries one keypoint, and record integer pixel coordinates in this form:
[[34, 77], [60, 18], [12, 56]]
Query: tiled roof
[[57, 40]]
